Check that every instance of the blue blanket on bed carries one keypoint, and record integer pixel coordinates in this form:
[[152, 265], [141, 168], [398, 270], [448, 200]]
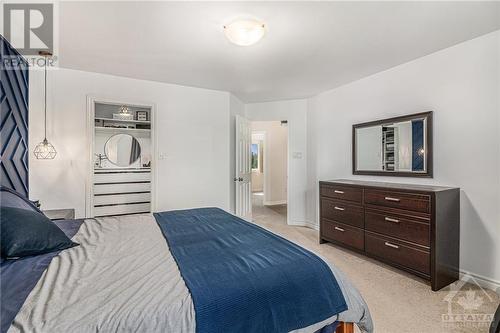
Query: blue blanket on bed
[[243, 278]]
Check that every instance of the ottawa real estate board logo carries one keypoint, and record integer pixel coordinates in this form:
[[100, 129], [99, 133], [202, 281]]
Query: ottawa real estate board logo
[[469, 306]]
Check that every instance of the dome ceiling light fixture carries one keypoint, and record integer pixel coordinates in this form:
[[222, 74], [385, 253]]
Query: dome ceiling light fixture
[[245, 32]]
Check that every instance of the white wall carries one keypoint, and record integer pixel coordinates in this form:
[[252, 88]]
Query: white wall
[[275, 162], [461, 85], [295, 111], [193, 133]]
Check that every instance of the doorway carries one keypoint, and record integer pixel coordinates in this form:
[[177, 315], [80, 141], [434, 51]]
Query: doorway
[[269, 171]]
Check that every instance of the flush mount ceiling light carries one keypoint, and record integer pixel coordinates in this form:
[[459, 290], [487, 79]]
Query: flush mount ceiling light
[[245, 32]]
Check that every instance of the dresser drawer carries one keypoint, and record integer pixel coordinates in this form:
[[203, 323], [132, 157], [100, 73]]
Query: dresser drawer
[[344, 234], [121, 188], [398, 226], [124, 198], [407, 201], [342, 212], [122, 209], [121, 177], [342, 192], [397, 252]]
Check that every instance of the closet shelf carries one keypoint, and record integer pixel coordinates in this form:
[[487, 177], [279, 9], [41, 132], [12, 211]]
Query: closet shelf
[[124, 121], [121, 130]]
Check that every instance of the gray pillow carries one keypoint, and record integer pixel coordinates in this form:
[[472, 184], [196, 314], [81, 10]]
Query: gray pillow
[[11, 198]]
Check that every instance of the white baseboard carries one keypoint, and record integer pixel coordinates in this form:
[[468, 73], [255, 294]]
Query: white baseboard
[[484, 282], [306, 224], [272, 203]]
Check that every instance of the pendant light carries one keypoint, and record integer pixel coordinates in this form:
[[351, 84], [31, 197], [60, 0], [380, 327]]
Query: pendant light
[[45, 150]]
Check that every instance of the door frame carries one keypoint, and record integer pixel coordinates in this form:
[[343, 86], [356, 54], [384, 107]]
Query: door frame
[[89, 188], [266, 165]]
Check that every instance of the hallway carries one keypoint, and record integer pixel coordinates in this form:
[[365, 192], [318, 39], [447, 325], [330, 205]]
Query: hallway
[[275, 214]]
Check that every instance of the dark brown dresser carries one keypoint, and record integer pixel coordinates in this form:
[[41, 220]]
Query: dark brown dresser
[[412, 227]]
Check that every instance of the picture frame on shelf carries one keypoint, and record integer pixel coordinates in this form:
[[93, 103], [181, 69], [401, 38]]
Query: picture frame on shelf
[[141, 115]]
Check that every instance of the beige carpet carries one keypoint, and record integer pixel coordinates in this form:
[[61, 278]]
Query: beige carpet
[[398, 302]]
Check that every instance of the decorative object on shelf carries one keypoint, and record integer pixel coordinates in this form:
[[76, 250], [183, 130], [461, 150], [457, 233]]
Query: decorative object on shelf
[[146, 161], [124, 109], [143, 126], [124, 114], [100, 158], [115, 126], [45, 150], [141, 115]]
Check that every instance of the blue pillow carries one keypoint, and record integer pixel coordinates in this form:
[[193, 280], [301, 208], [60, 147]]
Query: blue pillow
[[11, 198], [26, 233]]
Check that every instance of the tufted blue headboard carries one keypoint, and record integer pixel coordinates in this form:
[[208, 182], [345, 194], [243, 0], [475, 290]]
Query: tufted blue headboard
[[13, 119]]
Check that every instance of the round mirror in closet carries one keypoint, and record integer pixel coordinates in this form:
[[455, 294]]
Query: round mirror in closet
[[122, 150]]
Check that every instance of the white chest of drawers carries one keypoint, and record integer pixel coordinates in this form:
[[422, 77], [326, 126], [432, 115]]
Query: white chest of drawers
[[121, 191]]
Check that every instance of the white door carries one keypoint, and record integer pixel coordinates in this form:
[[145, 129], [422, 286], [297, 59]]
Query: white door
[[243, 168]]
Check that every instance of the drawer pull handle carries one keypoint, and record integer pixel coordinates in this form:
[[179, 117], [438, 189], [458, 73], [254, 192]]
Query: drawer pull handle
[[392, 199], [339, 229], [339, 208], [391, 245], [339, 192], [390, 219]]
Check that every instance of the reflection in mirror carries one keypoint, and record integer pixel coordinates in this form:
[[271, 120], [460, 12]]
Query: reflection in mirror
[[397, 145], [122, 150]]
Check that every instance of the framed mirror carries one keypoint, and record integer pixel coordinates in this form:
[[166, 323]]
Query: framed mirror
[[400, 146], [122, 150]]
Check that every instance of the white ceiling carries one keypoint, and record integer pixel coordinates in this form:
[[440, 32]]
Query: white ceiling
[[310, 47]]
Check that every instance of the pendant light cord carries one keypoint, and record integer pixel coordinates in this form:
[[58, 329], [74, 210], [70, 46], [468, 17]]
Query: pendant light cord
[[45, 97]]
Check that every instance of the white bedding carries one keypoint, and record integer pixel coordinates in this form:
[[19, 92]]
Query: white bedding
[[122, 278]]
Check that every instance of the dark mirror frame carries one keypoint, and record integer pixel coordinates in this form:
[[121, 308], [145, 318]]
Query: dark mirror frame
[[429, 150]]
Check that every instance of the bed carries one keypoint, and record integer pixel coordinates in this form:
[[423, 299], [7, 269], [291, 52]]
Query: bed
[[133, 274]]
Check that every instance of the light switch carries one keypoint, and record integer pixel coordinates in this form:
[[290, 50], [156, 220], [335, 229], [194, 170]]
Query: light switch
[[297, 155], [163, 156]]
